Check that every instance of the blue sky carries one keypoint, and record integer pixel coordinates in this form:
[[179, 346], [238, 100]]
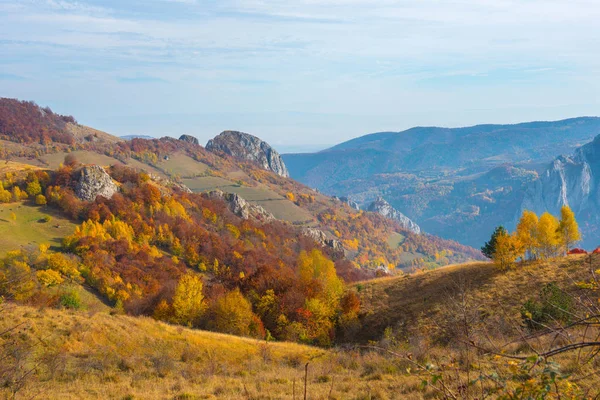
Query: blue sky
[[301, 74]]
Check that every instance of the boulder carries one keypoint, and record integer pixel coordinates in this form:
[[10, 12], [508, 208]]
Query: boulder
[[320, 237], [240, 207], [94, 181]]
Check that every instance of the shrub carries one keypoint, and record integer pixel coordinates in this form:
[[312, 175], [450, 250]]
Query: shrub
[[70, 300], [554, 306]]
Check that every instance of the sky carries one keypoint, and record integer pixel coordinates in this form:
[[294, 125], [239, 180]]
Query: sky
[[301, 74]]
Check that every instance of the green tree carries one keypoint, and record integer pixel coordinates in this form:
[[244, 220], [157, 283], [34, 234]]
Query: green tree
[[568, 230], [489, 248]]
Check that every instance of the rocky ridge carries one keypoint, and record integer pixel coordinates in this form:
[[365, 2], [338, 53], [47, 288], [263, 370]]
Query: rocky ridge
[[242, 208], [189, 139], [320, 237], [245, 146], [383, 208]]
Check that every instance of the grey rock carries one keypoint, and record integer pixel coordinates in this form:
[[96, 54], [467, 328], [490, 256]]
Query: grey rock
[[320, 237], [347, 200], [245, 146], [570, 180], [94, 181], [383, 208], [242, 208], [189, 139]]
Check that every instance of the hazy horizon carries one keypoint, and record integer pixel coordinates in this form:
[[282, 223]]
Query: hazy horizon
[[306, 74]]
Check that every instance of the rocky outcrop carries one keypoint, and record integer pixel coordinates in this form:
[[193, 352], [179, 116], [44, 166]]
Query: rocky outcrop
[[189, 139], [94, 181], [248, 147], [383, 208], [321, 238], [240, 207], [347, 200], [574, 181]]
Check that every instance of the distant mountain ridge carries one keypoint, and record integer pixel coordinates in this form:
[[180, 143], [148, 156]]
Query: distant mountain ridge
[[453, 182]]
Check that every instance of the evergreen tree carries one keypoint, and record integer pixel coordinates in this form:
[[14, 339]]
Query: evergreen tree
[[489, 248]]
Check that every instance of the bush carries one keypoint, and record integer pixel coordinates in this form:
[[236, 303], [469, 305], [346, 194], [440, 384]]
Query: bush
[[554, 306], [70, 300]]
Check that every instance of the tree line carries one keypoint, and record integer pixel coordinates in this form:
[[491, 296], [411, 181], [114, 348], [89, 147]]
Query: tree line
[[535, 238]]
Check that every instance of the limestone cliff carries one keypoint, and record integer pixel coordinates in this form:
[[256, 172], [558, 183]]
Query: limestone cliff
[[382, 207], [248, 147]]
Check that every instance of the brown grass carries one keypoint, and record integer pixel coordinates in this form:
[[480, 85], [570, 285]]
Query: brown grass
[[97, 355]]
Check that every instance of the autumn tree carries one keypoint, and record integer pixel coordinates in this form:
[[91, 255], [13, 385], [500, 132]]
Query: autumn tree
[[568, 230], [33, 188], [188, 301], [489, 248], [232, 313], [40, 200], [507, 249], [527, 233], [547, 236]]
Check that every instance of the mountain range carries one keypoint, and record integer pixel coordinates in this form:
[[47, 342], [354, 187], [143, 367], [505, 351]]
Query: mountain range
[[458, 183]]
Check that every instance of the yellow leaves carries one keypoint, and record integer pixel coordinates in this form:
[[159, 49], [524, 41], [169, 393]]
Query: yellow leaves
[[568, 230], [235, 232], [508, 249], [188, 300], [49, 277], [209, 215], [351, 244], [237, 255], [290, 196]]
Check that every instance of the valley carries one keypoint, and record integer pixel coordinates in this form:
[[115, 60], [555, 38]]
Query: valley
[[157, 268]]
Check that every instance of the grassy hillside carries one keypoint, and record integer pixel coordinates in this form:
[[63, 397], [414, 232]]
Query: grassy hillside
[[62, 354], [23, 224], [403, 301], [78, 355]]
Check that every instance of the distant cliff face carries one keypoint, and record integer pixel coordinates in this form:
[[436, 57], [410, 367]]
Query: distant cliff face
[[248, 147], [572, 181], [382, 207]]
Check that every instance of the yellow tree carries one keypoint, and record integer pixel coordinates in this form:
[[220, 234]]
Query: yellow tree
[[527, 233], [568, 230], [232, 313], [318, 275], [188, 300], [547, 237], [508, 249]]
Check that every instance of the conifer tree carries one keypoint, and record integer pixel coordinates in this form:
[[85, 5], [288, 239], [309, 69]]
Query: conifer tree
[[489, 248]]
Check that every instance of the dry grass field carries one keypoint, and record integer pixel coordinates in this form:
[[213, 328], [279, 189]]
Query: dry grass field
[[93, 353]]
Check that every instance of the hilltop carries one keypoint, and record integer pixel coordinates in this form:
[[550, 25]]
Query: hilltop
[[363, 235]]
